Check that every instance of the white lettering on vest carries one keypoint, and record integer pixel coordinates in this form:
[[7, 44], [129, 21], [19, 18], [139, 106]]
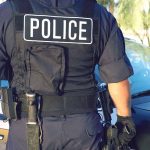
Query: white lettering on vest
[[54, 31], [46, 22], [81, 30], [58, 29], [64, 29], [34, 25], [71, 24]]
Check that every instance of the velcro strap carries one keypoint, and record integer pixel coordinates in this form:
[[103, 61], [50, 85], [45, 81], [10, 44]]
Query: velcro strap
[[61, 105], [69, 105]]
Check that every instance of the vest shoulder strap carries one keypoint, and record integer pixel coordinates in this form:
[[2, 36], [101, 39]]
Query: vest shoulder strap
[[88, 10], [22, 6]]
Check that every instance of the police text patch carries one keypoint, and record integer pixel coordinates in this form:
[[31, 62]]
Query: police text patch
[[58, 29]]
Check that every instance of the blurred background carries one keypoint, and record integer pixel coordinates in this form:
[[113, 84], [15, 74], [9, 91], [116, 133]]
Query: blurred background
[[133, 17]]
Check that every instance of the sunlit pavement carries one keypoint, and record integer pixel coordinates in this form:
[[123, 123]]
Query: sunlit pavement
[[2, 146]]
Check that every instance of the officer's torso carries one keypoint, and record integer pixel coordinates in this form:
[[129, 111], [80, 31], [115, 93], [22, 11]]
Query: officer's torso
[[56, 48]]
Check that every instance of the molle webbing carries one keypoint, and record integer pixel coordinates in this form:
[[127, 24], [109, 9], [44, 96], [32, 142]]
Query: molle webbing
[[19, 8]]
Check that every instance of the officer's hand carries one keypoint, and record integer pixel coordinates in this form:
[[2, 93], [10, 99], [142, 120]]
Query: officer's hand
[[126, 129]]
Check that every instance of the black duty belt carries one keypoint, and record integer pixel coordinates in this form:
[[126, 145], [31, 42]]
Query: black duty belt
[[64, 105]]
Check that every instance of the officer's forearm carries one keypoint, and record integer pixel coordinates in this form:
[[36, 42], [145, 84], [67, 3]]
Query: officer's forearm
[[120, 93]]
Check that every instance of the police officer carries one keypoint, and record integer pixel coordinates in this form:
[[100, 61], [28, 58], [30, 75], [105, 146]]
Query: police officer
[[48, 52]]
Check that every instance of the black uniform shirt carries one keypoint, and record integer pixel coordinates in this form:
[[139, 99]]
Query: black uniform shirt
[[111, 56], [114, 63]]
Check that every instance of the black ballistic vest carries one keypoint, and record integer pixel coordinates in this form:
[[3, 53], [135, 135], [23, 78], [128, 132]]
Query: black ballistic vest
[[55, 47]]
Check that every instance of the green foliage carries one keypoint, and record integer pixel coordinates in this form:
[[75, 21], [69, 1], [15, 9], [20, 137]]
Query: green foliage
[[126, 13], [134, 16]]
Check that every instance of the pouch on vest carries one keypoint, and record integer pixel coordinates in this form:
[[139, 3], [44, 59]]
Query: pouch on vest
[[45, 68]]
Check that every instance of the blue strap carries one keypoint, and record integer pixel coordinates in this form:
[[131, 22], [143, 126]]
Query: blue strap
[[4, 83]]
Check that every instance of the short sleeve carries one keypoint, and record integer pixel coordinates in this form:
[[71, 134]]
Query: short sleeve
[[114, 63]]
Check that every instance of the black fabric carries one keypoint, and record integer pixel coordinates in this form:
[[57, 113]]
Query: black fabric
[[114, 63], [19, 22], [66, 132], [61, 105], [22, 6], [19, 67], [88, 11], [96, 27], [117, 70], [39, 76], [89, 7], [47, 76], [78, 79]]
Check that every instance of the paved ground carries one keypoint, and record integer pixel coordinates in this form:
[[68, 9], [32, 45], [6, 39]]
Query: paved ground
[[2, 146]]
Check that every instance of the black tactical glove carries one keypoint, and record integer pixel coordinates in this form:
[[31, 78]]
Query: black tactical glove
[[126, 129]]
